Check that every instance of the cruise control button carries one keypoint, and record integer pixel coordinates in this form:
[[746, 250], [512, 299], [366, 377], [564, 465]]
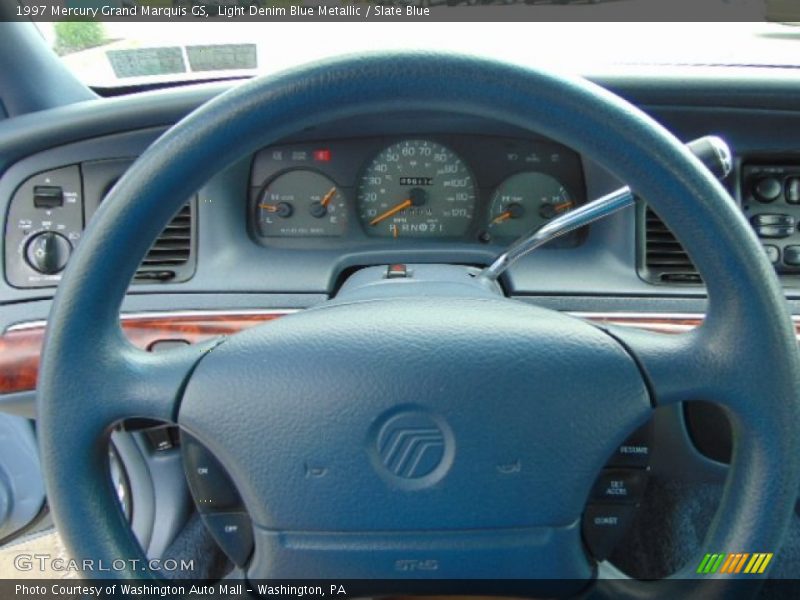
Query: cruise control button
[[211, 487], [160, 438], [791, 256], [635, 451], [620, 485], [233, 533], [604, 525]]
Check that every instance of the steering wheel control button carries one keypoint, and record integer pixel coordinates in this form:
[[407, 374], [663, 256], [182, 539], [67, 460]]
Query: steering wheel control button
[[48, 196], [161, 438], [768, 189], [773, 253], [412, 448], [396, 272], [234, 534], [603, 527], [211, 487], [635, 451], [620, 485], [616, 492], [48, 252]]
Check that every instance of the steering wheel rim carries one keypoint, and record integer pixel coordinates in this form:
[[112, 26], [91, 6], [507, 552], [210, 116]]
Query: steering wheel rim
[[91, 377]]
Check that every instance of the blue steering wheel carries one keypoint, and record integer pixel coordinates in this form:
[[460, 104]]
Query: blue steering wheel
[[486, 378]]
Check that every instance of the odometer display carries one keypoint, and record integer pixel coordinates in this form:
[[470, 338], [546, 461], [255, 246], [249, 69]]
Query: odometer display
[[416, 188]]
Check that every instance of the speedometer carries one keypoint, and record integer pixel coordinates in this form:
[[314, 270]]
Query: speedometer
[[416, 188]]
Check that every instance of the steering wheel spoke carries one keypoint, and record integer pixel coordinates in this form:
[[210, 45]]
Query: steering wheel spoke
[[712, 363], [152, 382], [129, 383], [672, 364]]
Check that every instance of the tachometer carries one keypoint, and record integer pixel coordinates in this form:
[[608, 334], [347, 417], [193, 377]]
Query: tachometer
[[526, 201], [416, 188], [301, 203]]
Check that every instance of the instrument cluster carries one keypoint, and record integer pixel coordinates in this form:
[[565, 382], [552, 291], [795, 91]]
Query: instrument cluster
[[467, 188]]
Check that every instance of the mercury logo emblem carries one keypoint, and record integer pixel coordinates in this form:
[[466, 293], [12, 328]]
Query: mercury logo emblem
[[413, 445]]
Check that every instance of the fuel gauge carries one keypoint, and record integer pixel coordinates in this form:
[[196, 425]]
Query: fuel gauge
[[526, 201], [301, 203]]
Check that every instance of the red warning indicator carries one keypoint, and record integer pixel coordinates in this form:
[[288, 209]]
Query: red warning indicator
[[323, 155]]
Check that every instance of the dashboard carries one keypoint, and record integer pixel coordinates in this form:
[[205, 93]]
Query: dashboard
[[285, 226], [300, 215], [334, 195]]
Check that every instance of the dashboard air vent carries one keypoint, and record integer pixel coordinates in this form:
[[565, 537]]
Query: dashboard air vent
[[665, 260], [171, 252]]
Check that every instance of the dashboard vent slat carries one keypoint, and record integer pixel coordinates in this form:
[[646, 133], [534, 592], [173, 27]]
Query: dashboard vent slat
[[172, 249], [665, 259]]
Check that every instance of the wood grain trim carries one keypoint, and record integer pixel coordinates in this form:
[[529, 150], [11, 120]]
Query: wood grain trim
[[658, 324], [19, 360], [148, 330], [20, 346]]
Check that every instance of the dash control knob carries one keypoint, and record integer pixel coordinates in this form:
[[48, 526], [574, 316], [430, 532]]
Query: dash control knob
[[768, 189], [48, 252]]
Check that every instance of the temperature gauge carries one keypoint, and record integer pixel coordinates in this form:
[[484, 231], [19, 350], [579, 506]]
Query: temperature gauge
[[301, 203], [526, 201]]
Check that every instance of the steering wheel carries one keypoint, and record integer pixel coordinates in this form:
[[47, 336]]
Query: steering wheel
[[486, 379]]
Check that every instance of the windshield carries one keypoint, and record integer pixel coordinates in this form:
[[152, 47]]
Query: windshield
[[113, 54]]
